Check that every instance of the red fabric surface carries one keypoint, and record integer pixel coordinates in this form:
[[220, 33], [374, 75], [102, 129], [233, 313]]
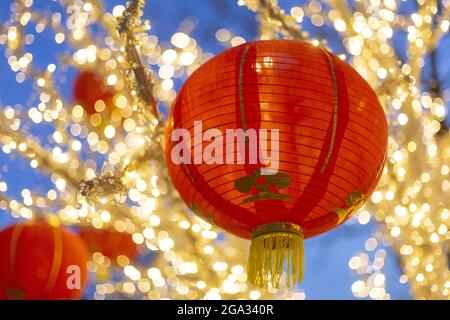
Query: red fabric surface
[[27, 263], [288, 86], [110, 243], [89, 88]]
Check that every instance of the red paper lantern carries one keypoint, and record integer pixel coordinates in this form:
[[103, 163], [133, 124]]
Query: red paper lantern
[[110, 243], [89, 88], [332, 145], [39, 261]]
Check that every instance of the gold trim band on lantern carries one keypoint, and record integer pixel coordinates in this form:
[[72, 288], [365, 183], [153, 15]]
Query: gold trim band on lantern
[[17, 230], [57, 259], [278, 227], [241, 87], [335, 109]]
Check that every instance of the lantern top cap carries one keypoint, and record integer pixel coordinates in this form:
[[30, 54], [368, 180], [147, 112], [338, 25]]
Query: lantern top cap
[[278, 227]]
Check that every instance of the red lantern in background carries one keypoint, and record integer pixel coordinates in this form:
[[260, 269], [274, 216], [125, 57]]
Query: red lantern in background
[[110, 243], [332, 146], [89, 87], [39, 261]]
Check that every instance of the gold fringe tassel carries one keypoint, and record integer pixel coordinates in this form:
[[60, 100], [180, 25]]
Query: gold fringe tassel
[[274, 247]]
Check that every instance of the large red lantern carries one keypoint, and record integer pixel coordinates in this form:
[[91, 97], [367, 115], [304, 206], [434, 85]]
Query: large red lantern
[[39, 261], [331, 133]]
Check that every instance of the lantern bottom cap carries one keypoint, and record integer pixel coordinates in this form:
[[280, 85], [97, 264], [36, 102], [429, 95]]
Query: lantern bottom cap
[[276, 247]]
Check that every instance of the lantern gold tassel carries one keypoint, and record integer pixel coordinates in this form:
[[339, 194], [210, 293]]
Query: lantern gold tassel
[[274, 248]]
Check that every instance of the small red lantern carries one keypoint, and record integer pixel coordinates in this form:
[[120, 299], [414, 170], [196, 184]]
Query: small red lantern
[[110, 243], [320, 116], [39, 261], [89, 88]]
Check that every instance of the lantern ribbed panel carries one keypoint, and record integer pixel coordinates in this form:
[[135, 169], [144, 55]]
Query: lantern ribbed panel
[[333, 160]]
